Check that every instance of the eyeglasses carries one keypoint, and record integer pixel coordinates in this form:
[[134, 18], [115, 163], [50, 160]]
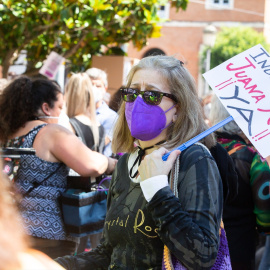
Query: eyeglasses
[[150, 97]]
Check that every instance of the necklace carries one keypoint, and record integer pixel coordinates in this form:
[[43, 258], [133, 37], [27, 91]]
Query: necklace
[[139, 158]]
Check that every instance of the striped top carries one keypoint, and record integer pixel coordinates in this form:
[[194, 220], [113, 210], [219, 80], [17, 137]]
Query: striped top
[[40, 209]]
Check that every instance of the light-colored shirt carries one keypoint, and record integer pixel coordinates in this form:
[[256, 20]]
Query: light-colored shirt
[[107, 118]]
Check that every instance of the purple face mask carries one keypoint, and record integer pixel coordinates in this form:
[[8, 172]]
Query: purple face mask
[[145, 121]]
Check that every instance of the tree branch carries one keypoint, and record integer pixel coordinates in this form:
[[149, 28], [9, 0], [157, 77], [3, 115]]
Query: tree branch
[[70, 52], [8, 60], [32, 72], [42, 28]]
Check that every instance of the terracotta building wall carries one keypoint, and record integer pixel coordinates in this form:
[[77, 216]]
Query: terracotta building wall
[[198, 12], [183, 43], [182, 36]]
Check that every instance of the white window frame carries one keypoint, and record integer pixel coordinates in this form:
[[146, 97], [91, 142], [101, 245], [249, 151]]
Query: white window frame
[[210, 4], [165, 13]]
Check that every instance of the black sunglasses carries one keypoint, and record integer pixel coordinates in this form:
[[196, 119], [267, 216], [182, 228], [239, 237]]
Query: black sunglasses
[[150, 97]]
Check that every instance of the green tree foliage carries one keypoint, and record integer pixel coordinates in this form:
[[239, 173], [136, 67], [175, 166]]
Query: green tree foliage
[[76, 29], [232, 41]]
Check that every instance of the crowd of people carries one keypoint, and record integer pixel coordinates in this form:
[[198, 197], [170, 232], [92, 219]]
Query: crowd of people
[[180, 204], [30, 109]]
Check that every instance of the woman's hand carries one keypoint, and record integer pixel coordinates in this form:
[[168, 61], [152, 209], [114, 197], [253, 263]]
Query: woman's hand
[[153, 165], [111, 165]]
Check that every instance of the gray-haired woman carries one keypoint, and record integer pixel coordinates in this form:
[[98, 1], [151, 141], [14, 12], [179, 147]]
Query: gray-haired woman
[[161, 110]]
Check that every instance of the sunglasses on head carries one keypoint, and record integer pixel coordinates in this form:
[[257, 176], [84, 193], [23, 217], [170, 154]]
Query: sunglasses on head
[[150, 97]]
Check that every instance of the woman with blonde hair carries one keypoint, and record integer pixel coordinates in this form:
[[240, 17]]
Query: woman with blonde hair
[[161, 110], [80, 108]]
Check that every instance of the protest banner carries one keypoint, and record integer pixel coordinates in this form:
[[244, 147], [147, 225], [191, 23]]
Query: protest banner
[[242, 84], [51, 65]]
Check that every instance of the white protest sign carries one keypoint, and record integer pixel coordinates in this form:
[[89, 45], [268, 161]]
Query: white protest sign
[[51, 65], [242, 84]]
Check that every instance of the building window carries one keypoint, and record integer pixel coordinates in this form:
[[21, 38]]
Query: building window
[[219, 4], [164, 12]]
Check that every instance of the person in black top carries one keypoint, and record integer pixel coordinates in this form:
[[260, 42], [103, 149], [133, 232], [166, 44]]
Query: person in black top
[[80, 107], [81, 110], [249, 212]]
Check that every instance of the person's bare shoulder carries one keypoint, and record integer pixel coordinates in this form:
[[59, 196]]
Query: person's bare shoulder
[[55, 129]]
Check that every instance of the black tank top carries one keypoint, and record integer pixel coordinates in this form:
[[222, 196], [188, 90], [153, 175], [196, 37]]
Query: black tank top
[[86, 132]]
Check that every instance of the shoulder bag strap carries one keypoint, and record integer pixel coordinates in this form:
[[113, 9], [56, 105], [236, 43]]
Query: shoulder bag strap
[[174, 176], [77, 128], [81, 135], [36, 184], [95, 131], [79, 132]]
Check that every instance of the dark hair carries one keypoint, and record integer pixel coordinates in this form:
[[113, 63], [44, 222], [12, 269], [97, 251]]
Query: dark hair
[[21, 100], [116, 100]]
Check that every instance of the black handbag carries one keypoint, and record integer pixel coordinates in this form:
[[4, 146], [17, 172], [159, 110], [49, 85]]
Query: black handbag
[[84, 210], [84, 203]]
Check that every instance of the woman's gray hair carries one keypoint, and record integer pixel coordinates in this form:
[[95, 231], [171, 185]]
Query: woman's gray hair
[[218, 113], [98, 74]]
